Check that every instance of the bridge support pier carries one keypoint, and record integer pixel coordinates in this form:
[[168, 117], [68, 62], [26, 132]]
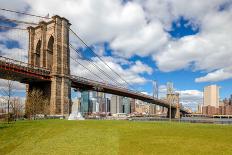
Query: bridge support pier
[[44, 88], [57, 93], [175, 113], [60, 101], [49, 48]]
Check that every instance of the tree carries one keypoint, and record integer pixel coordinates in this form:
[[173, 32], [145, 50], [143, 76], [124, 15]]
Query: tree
[[17, 107], [36, 103], [7, 93]]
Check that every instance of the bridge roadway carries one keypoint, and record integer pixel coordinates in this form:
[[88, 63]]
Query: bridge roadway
[[26, 73]]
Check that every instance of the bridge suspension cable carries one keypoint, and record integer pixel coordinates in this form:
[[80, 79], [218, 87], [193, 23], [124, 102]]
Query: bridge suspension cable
[[8, 27], [97, 67], [90, 49], [17, 21], [82, 41], [86, 68], [24, 13]]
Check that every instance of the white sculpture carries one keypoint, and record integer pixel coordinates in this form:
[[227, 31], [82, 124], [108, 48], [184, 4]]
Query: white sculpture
[[75, 114]]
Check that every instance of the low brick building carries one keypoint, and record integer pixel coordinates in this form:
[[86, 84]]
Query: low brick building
[[222, 110], [210, 110]]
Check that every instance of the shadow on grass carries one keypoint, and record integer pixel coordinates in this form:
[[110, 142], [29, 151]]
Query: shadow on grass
[[4, 125]]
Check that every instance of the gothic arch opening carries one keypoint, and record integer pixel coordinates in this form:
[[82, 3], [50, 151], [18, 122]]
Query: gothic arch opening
[[50, 52], [37, 53]]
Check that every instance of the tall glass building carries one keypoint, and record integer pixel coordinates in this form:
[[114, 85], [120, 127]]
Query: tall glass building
[[116, 104], [94, 102], [126, 105], [86, 106]]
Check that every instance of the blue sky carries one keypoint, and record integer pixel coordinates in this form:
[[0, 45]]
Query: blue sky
[[146, 40], [183, 79]]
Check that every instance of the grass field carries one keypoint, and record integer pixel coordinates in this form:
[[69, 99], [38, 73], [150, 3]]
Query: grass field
[[114, 137]]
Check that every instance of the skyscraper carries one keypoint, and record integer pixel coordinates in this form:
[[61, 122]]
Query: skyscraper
[[116, 104], [211, 96], [108, 105], [85, 103], [126, 105], [132, 105]]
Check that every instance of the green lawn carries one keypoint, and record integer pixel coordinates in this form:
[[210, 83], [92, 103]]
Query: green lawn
[[114, 137]]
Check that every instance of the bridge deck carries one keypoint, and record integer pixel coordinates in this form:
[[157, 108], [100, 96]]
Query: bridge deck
[[25, 73], [86, 84], [22, 72]]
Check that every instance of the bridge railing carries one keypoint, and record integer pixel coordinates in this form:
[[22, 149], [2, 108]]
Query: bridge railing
[[11, 63], [105, 84], [88, 81]]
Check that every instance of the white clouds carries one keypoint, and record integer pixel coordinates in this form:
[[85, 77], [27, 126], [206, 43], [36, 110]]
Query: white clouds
[[18, 38], [16, 86], [13, 53], [150, 38], [191, 98], [208, 50], [124, 25], [139, 28], [139, 68], [218, 75], [95, 21], [167, 11], [19, 5], [132, 74]]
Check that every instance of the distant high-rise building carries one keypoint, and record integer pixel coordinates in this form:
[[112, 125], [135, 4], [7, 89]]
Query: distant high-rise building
[[94, 104], [152, 109], [116, 104], [199, 108], [230, 100], [155, 89], [132, 105], [86, 106], [126, 105], [211, 96], [100, 101], [92, 101], [108, 103], [211, 101]]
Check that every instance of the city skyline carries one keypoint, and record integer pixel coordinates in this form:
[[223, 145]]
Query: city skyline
[[174, 45]]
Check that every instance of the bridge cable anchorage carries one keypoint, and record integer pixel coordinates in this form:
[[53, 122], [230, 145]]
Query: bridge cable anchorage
[[96, 66], [101, 59], [24, 13]]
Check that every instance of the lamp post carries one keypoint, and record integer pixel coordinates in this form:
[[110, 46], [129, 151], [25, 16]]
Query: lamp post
[[170, 110], [170, 93]]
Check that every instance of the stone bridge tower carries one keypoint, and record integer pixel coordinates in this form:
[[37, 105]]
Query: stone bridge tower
[[174, 98], [49, 48]]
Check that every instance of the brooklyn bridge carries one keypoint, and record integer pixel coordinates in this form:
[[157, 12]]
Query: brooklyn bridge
[[48, 67]]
